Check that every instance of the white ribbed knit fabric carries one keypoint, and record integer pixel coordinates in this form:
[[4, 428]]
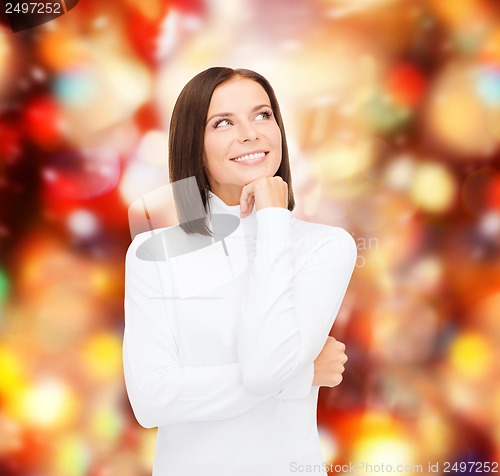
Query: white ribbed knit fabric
[[226, 375]]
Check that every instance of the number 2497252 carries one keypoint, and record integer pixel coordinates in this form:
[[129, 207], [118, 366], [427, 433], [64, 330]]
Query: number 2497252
[[33, 7]]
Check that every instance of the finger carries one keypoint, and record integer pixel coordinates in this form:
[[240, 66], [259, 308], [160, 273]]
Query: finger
[[341, 346], [245, 194], [336, 381], [338, 367], [341, 369], [249, 206]]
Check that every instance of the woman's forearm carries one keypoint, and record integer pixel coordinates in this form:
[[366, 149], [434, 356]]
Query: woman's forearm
[[290, 306]]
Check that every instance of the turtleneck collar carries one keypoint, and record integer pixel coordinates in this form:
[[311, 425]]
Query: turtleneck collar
[[217, 205], [248, 225]]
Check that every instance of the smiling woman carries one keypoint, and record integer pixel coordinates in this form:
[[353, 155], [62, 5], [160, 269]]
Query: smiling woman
[[231, 376], [249, 136], [212, 114]]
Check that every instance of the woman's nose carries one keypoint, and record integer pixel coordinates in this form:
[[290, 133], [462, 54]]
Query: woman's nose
[[248, 132]]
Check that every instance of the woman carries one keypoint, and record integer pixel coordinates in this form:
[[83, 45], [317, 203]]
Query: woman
[[231, 376]]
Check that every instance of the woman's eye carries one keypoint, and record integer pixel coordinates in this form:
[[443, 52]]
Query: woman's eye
[[221, 122], [263, 115]]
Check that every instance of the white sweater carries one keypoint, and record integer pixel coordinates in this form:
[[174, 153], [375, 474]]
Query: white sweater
[[226, 374]]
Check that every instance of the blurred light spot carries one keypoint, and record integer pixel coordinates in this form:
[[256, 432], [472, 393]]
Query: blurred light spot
[[124, 86], [147, 444], [48, 404], [12, 375], [336, 161], [433, 187], [399, 173], [126, 82], [71, 458], [170, 34], [105, 424], [123, 462], [75, 87], [100, 22], [404, 331], [344, 8], [11, 441], [4, 47], [375, 209], [329, 447], [493, 192], [493, 120], [380, 441], [469, 39], [38, 74], [385, 115], [311, 200], [82, 174], [466, 395], [471, 355], [57, 290], [153, 148], [490, 51], [102, 356], [488, 84], [140, 178], [427, 273], [438, 433], [10, 143], [406, 84], [44, 122], [290, 45], [489, 225], [485, 316], [147, 8], [101, 280], [5, 56], [455, 115], [83, 223], [381, 449], [60, 48], [458, 14], [475, 188], [4, 286], [340, 70]]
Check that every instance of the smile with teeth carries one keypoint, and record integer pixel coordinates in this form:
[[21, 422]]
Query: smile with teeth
[[249, 157]]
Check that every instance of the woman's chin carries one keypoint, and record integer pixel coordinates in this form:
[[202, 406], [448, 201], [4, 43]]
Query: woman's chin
[[254, 174]]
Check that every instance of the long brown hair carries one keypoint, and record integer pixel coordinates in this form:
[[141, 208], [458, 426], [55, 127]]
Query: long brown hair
[[187, 134]]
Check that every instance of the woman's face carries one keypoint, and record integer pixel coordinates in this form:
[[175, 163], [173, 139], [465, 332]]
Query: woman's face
[[240, 125]]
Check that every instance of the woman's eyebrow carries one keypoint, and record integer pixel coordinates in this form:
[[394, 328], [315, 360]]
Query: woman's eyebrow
[[230, 114]]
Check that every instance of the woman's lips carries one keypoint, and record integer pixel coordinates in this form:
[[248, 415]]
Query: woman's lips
[[251, 159]]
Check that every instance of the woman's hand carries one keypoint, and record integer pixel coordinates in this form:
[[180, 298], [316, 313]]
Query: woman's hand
[[263, 192], [329, 365]]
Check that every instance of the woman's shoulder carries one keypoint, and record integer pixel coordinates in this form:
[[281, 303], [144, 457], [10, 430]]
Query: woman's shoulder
[[310, 236]]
